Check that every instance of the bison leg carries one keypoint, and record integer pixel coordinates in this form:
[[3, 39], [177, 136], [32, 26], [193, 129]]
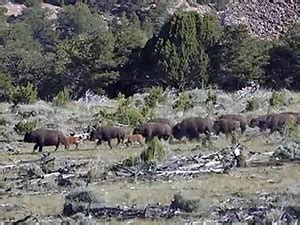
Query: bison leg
[[56, 147], [109, 143], [40, 148], [35, 147], [119, 141]]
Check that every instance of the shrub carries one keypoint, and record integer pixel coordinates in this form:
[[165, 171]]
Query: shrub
[[156, 95], [252, 105], [154, 152], [291, 129], [211, 98], [25, 126], [277, 99], [130, 161], [62, 98], [24, 94], [183, 204], [183, 103], [3, 122], [130, 117], [81, 196]]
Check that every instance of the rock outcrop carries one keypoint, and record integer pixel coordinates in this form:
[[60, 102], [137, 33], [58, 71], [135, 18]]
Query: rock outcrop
[[264, 19]]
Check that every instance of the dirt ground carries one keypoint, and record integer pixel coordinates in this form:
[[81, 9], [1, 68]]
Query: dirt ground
[[208, 189]]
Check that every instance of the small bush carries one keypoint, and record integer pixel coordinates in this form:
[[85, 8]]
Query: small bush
[[183, 103], [3, 122], [277, 99], [130, 161], [184, 205], [154, 152], [62, 98], [25, 126], [24, 94], [156, 95], [211, 98], [84, 196], [291, 129], [252, 105], [130, 117]]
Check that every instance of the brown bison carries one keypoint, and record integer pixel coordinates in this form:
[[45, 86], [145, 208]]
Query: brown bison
[[226, 126], [192, 128], [43, 138], [74, 140], [134, 138], [153, 129], [296, 115], [258, 121], [274, 122], [107, 134], [163, 120], [243, 121]]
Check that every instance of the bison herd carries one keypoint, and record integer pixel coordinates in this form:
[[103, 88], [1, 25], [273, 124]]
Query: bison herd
[[191, 128]]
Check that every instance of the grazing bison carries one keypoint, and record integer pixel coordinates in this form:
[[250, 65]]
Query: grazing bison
[[43, 138], [151, 129], [74, 140], [226, 126], [258, 121], [296, 115], [106, 134], [192, 128], [164, 121], [274, 122], [243, 121], [134, 138]]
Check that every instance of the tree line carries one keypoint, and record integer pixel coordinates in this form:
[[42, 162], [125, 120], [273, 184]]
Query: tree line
[[81, 49]]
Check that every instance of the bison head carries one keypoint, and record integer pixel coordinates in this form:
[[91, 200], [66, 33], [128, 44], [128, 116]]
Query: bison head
[[30, 137], [177, 131], [93, 135], [255, 122], [137, 130], [217, 127]]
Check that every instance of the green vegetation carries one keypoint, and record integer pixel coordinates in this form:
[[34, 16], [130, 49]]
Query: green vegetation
[[24, 94], [252, 105], [62, 98], [183, 103], [277, 99], [25, 126], [136, 51], [155, 151]]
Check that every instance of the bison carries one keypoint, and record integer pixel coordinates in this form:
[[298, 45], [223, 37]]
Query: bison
[[296, 115], [243, 121], [274, 122], [192, 128], [151, 129], [134, 138], [43, 138], [226, 126], [108, 133], [164, 121]]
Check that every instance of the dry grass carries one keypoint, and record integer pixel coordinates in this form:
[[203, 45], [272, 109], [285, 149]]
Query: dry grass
[[209, 189]]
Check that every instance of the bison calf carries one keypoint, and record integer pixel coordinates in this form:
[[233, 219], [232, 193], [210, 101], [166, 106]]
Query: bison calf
[[73, 140], [107, 134], [134, 138], [43, 138]]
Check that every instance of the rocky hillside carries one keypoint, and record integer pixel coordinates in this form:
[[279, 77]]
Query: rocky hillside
[[264, 19]]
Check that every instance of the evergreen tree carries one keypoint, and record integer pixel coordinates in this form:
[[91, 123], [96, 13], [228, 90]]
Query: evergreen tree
[[240, 58], [179, 52]]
